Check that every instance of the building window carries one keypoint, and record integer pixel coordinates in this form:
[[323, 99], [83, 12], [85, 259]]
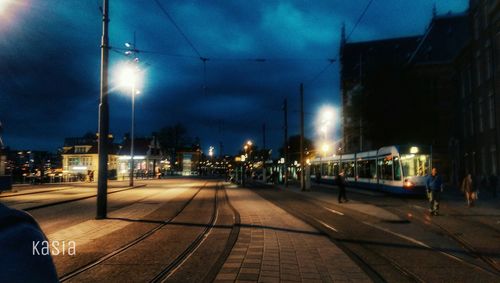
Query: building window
[[469, 79], [491, 110], [73, 161], [483, 161], [497, 48], [478, 68], [80, 149], [464, 87], [476, 25], [471, 120], [480, 114], [485, 16], [493, 154], [489, 65], [464, 117]]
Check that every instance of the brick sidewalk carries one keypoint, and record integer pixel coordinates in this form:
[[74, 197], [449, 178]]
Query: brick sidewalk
[[274, 246]]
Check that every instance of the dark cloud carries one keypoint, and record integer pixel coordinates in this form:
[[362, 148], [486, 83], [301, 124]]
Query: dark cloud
[[49, 64]]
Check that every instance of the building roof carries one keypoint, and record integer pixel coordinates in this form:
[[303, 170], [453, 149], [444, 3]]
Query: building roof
[[113, 150], [141, 146], [363, 57], [444, 39]]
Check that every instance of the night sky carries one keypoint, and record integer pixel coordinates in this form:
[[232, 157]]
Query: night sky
[[50, 56]]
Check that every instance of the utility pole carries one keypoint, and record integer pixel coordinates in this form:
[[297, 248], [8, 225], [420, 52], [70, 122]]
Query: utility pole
[[132, 136], [302, 177], [264, 157], [102, 182], [221, 146], [285, 145]]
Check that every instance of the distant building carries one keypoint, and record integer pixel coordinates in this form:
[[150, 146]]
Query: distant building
[[80, 158], [478, 82], [372, 90], [147, 158], [403, 90], [188, 161]]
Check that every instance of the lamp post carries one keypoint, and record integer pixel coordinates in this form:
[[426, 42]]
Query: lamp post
[[128, 79], [102, 181], [248, 153]]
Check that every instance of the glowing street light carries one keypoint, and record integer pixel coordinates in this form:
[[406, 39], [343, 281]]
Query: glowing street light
[[325, 148], [129, 77]]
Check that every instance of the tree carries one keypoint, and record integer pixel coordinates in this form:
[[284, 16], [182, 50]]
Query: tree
[[294, 148], [173, 138]]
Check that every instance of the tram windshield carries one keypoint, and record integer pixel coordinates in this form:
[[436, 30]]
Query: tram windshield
[[415, 164]]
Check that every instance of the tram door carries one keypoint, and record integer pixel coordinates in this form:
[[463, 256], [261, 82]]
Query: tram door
[[385, 172]]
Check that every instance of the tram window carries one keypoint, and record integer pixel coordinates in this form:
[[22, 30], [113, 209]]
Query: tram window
[[335, 169], [330, 169], [315, 169], [385, 168], [373, 168], [365, 168], [360, 167], [348, 168], [397, 169], [415, 165], [324, 168]]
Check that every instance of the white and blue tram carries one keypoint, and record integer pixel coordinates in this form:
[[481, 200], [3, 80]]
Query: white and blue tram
[[394, 169]]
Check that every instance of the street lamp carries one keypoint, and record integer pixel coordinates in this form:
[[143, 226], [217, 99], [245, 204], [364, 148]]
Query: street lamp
[[129, 77], [247, 148]]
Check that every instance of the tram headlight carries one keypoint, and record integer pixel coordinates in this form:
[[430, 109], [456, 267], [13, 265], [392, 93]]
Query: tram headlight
[[408, 184]]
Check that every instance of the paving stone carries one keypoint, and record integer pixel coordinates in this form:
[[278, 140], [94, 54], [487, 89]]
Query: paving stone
[[267, 255]]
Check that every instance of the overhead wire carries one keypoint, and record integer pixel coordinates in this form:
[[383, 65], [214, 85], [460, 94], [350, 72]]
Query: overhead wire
[[178, 28]]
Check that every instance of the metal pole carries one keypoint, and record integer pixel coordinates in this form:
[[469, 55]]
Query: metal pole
[[102, 182], [302, 177], [285, 146], [131, 184], [132, 137], [264, 157]]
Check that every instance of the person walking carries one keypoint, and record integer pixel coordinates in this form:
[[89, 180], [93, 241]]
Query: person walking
[[469, 188], [341, 183], [434, 186]]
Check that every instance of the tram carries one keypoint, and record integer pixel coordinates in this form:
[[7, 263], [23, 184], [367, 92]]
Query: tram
[[393, 169]]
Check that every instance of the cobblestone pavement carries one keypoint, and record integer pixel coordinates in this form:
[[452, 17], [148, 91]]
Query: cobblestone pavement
[[274, 246]]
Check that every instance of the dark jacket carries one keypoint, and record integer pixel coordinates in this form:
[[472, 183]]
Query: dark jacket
[[341, 182], [18, 231]]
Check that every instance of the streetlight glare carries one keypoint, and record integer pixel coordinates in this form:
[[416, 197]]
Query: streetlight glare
[[325, 147], [4, 4], [128, 76]]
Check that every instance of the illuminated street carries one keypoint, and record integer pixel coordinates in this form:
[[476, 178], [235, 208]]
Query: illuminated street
[[250, 141]]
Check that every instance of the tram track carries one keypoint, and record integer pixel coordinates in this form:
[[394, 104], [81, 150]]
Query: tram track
[[468, 248], [130, 244], [50, 204], [364, 252], [174, 265]]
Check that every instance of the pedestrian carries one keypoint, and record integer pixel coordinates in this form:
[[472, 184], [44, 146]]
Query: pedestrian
[[494, 184], [434, 186], [469, 189], [341, 183]]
